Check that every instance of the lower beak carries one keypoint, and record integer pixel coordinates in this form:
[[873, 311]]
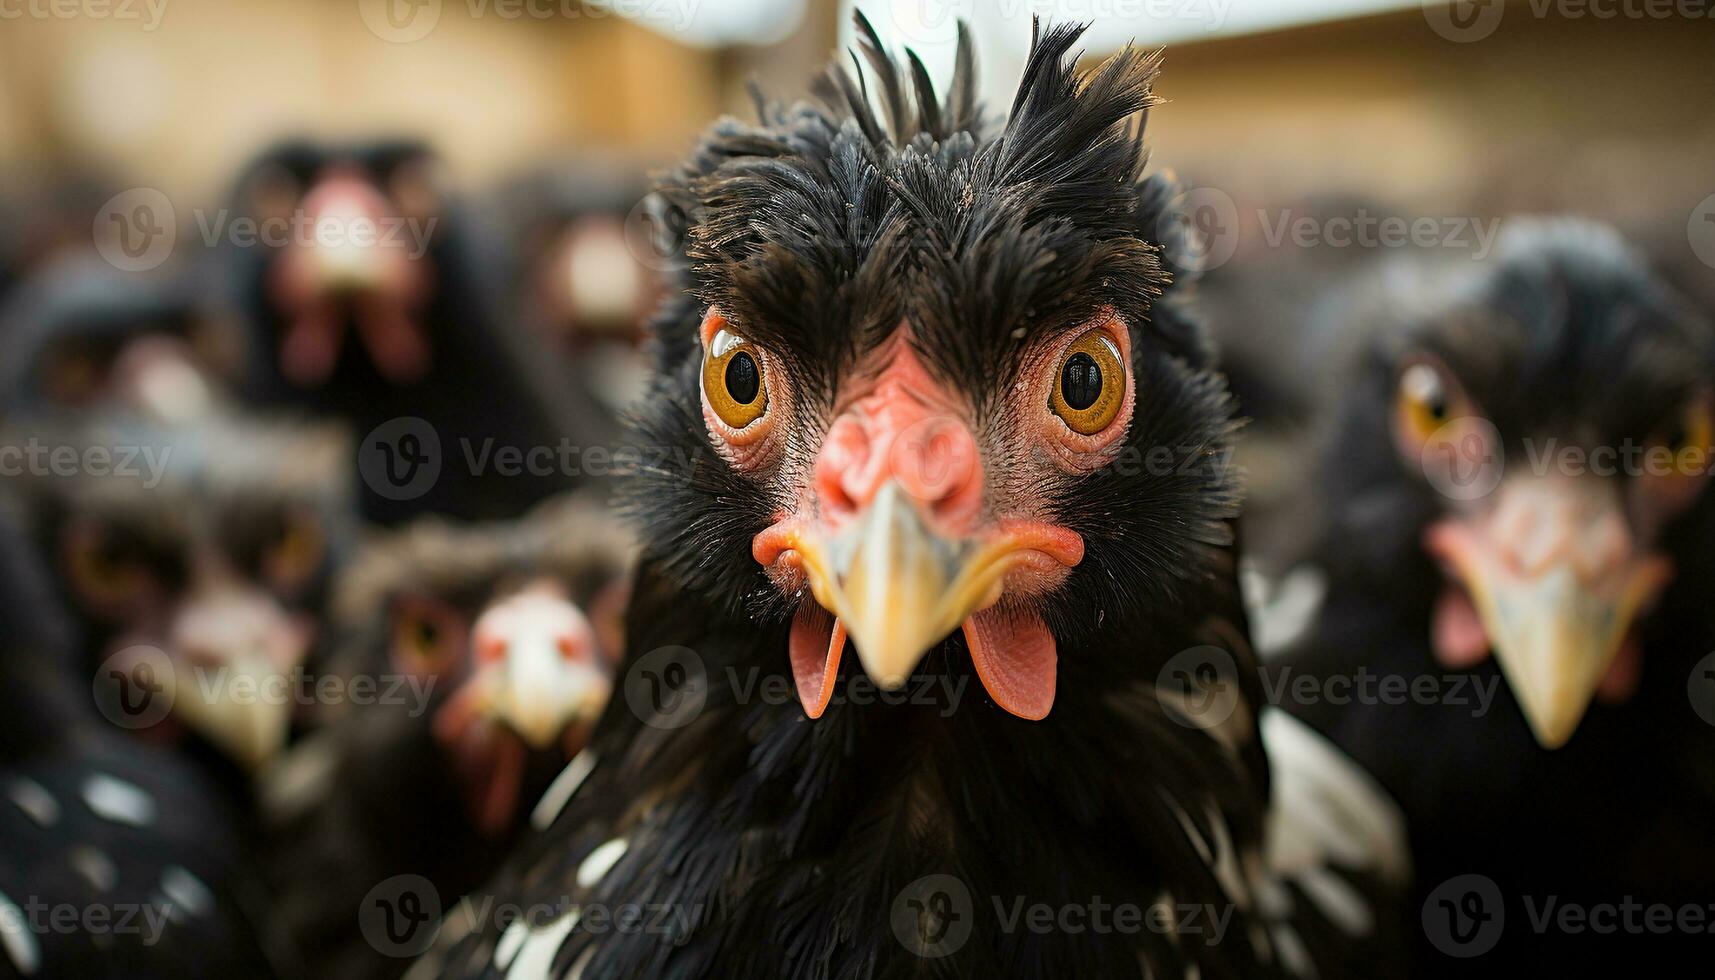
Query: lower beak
[[897, 588], [539, 693], [1555, 626]]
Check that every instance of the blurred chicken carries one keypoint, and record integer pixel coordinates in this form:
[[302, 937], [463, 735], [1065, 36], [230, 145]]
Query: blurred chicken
[[490, 648], [198, 554], [371, 297], [82, 336], [1516, 489], [117, 859]]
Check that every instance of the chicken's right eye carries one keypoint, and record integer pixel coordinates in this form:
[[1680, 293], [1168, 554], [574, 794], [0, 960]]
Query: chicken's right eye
[[734, 380]]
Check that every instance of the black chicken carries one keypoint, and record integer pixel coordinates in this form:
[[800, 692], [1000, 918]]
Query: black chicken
[[1520, 468], [196, 557], [117, 859], [488, 652], [370, 299], [81, 335], [918, 367]]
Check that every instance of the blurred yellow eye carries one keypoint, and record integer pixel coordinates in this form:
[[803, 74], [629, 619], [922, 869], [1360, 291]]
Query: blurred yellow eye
[[1425, 402], [1089, 384], [296, 555], [1690, 436], [733, 380]]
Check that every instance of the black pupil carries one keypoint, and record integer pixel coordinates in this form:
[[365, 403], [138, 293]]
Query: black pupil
[[1437, 407], [743, 381], [1080, 381]]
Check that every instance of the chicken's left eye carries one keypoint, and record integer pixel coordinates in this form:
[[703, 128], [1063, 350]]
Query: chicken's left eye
[[733, 380], [1089, 385]]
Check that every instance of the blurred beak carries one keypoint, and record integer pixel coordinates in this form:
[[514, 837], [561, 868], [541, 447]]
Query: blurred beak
[[1557, 581], [547, 677], [240, 649]]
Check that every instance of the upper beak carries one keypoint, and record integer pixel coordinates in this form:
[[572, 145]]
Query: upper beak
[[1557, 580], [898, 588], [539, 693], [256, 645]]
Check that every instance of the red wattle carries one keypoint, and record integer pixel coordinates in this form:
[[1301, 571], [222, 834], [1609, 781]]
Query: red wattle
[[817, 641], [1016, 659]]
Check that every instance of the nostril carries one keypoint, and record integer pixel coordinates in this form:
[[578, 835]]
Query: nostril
[[936, 462]]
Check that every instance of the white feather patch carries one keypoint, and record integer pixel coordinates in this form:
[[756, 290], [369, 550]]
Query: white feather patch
[[562, 789], [536, 955], [37, 803], [600, 861], [95, 867], [186, 890], [118, 801], [1339, 901], [1325, 809], [17, 939]]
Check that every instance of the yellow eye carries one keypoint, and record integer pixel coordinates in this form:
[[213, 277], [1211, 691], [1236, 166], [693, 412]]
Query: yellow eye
[[1424, 403], [733, 380], [1089, 384]]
